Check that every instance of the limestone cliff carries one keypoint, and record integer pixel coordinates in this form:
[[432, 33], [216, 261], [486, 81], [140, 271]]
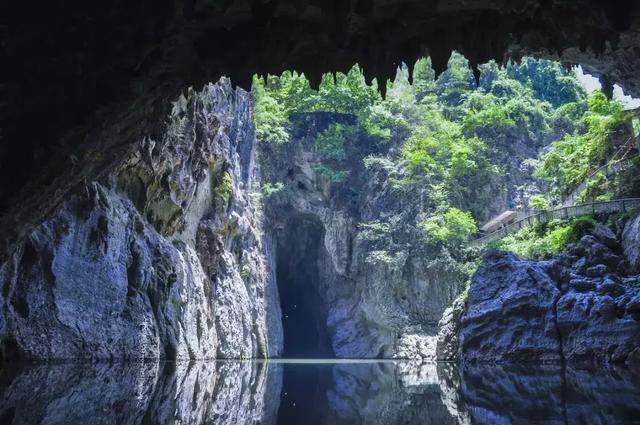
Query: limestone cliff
[[580, 306], [176, 251], [161, 257], [384, 307]]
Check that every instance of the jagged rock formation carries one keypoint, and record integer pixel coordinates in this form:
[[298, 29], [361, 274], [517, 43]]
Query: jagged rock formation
[[162, 257], [367, 308], [580, 306], [170, 255], [110, 67]]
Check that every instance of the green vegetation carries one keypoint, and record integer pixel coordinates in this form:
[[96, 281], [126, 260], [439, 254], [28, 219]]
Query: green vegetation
[[221, 184], [538, 202], [541, 241], [447, 150], [452, 226], [269, 189], [571, 160]]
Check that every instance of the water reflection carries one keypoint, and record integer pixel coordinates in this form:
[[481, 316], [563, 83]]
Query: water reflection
[[316, 393]]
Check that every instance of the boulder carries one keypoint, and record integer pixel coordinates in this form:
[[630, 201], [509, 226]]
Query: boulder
[[609, 287], [596, 252], [580, 266], [597, 271], [510, 315], [606, 236], [582, 284], [633, 306], [631, 244]]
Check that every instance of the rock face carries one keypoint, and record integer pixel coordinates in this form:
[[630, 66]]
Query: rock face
[[177, 251], [370, 307], [581, 306], [161, 258], [631, 244], [510, 314]]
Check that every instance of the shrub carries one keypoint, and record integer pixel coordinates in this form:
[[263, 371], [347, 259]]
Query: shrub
[[269, 189], [374, 231], [334, 176], [222, 188], [332, 142], [453, 226], [538, 202], [541, 241]]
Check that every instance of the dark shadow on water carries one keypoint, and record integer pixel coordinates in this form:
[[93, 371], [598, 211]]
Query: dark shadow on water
[[316, 392]]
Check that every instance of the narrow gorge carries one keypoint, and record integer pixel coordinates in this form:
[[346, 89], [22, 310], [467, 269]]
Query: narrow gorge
[[172, 255], [331, 213], [216, 239]]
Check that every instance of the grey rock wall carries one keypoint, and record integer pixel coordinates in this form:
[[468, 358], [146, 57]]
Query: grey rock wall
[[372, 309], [171, 252], [163, 257], [582, 306]]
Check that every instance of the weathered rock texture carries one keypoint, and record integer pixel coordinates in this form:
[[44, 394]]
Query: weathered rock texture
[[162, 257], [371, 308], [581, 306], [168, 254], [112, 66]]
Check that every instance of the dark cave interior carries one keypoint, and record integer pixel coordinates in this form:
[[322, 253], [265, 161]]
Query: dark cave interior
[[298, 275], [83, 82]]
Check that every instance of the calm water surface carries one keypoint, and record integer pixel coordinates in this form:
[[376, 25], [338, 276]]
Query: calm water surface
[[316, 392]]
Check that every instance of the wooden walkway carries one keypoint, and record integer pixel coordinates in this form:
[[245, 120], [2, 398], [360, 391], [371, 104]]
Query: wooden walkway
[[616, 205]]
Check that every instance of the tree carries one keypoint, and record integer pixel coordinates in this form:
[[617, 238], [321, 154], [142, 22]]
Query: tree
[[548, 79], [571, 159], [349, 93], [453, 226], [271, 118], [454, 85]]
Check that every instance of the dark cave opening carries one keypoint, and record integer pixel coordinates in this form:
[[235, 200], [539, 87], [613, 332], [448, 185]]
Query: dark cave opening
[[304, 315]]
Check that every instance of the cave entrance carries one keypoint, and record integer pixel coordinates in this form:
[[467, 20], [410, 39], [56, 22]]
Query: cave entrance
[[304, 313]]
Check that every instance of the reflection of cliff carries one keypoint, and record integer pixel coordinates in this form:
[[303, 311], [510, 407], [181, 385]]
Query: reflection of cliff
[[232, 393], [522, 394], [385, 393]]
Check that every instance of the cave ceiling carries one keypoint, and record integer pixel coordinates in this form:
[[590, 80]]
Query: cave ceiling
[[73, 71]]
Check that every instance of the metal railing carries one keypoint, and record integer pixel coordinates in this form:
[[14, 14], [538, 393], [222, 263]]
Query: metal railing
[[618, 161], [615, 205]]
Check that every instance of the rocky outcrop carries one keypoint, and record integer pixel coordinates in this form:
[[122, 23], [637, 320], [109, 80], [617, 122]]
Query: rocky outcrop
[[510, 313], [163, 257], [448, 341], [580, 306], [631, 244], [386, 306], [169, 254]]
